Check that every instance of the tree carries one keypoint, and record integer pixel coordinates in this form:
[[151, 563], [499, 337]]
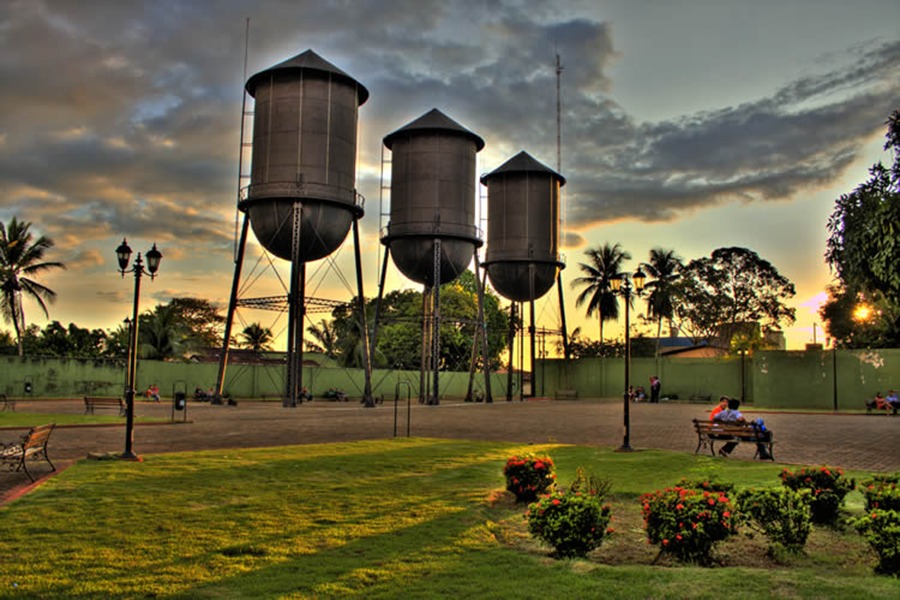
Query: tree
[[664, 270], [163, 334], [256, 337], [400, 326], [117, 340], [605, 264], [22, 259], [56, 340], [863, 250], [325, 340], [201, 318], [720, 295]]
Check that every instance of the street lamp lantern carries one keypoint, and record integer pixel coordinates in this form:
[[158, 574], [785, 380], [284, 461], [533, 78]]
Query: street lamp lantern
[[153, 258], [123, 255], [639, 278]]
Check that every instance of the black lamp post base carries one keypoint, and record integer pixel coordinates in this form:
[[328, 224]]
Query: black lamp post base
[[625, 448], [130, 456]]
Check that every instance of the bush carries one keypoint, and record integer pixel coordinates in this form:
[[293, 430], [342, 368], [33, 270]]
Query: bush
[[783, 515], [827, 486], [881, 529], [573, 523], [882, 492], [590, 483], [529, 476], [687, 523], [710, 484]]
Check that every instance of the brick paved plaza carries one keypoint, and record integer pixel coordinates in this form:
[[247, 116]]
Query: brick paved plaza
[[852, 441]]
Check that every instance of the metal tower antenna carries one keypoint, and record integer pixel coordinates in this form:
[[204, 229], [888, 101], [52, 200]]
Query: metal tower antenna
[[559, 70]]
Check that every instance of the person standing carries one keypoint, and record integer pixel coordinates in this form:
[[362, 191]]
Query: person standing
[[655, 386]]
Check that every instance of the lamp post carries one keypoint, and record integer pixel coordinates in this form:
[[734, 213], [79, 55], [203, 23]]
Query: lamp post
[[622, 285], [123, 254]]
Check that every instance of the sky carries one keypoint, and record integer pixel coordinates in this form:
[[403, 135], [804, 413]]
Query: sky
[[685, 124]]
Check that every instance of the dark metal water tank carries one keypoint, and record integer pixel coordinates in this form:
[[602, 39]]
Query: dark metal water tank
[[432, 197], [522, 258], [304, 150]]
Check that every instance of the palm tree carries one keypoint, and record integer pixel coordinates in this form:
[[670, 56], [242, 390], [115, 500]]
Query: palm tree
[[605, 264], [162, 334], [664, 270], [256, 337], [326, 339], [21, 258]]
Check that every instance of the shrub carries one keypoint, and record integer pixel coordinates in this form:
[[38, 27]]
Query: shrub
[[710, 484], [783, 515], [573, 523], [590, 483], [687, 523], [882, 491], [881, 529], [827, 486], [529, 476]]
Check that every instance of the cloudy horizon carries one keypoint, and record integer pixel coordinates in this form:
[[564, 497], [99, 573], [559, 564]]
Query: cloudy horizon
[[688, 125]]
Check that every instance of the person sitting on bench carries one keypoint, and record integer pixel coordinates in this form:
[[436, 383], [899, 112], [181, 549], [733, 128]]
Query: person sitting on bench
[[879, 402], [732, 416]]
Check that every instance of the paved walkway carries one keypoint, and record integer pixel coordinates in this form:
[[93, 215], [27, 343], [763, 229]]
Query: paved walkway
[[850, 441]]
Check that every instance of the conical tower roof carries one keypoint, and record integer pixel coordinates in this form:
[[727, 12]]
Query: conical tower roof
[[307, 61], [523, 163], [433, 120]]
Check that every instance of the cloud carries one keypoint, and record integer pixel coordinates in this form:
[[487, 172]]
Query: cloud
[[128, 122]]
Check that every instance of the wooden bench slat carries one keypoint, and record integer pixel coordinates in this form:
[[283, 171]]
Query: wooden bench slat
[[91, 403], [33, 446], [708, 433]]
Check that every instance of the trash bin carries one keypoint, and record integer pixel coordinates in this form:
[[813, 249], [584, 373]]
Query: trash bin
[[180, 400]]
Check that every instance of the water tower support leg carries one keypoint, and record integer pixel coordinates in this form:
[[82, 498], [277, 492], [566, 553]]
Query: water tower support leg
[[368, 401], [482, 324], [232, 306], [436, 322]]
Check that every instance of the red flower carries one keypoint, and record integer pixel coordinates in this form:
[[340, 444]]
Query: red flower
[[711, 502], [556, 502], [678, 537], [726, 514], [679, 506]]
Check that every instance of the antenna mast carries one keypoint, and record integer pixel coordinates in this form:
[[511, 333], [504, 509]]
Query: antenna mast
[[559, 70]]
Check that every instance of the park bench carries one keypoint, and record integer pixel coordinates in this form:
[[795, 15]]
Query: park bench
[[32, 446], [90, 404], [708, 433]]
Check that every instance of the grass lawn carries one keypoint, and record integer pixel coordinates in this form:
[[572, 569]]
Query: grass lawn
[[25, 420], [402, 518]]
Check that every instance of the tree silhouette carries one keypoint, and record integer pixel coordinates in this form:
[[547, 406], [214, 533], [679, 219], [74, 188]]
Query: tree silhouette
[[605, 264], [22, 259]]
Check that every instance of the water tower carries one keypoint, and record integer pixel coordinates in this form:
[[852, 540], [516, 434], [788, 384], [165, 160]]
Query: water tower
[[522, 259], [301, 201], [431, 235]]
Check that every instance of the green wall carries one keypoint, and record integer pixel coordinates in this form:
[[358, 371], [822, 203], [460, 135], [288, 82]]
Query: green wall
[[73, 378], [771, 379]]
